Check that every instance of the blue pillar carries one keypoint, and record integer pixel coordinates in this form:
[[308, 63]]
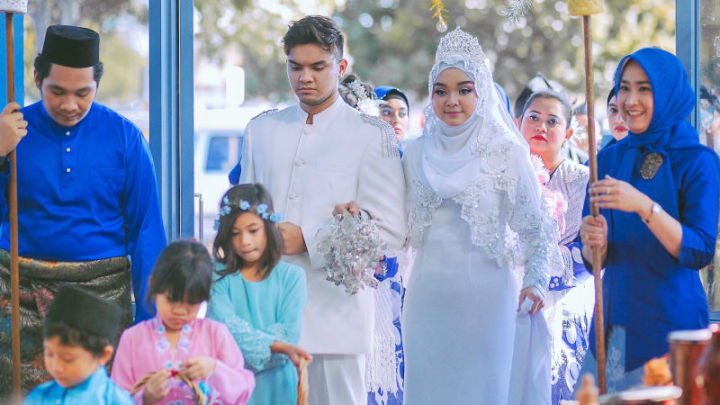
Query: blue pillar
[[687, 45], [19, 53], [171, 111]]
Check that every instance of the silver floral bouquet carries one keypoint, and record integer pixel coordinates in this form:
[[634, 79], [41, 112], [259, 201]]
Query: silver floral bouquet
[[351, 248]]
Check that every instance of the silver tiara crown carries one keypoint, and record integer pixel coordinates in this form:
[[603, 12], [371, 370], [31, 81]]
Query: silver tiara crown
[[459, 42]]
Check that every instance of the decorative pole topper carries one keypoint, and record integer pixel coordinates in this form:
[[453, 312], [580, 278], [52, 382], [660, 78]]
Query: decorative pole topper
[[439, 12], [580, 8], [14, 6]]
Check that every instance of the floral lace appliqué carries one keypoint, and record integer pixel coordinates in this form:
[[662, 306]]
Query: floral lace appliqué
[[425, 202], [161, 341]]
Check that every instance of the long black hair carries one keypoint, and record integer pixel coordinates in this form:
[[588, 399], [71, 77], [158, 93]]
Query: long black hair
[[183, 272], [254, 195]]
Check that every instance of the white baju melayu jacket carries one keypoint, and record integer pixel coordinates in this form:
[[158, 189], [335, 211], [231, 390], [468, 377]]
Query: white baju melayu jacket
[[341, 157]]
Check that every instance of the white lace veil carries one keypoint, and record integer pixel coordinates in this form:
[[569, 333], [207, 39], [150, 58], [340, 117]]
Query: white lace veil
[[450, 156]]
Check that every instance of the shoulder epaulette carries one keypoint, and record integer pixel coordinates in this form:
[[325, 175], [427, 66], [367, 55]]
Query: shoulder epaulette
[[390, 144], [264, 113]]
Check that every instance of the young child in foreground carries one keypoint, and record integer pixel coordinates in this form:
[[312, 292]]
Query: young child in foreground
[[177, 341], [260, 298], [78, 333]]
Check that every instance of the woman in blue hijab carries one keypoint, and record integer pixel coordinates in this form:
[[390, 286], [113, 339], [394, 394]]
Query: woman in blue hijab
[[658, 200]]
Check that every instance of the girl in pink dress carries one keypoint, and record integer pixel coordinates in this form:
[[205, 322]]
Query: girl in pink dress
[[176, 341]]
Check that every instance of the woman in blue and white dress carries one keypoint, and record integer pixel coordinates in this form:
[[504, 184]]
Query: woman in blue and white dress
[[545, 125], [384, 362]]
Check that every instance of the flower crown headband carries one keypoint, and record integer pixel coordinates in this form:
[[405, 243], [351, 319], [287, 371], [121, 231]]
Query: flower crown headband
[[261, 210]]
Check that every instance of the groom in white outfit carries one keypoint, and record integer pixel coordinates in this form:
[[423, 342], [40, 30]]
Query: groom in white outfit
[[315, 157]]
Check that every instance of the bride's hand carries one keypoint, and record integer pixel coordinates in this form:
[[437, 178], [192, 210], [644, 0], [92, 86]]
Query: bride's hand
[[534, 295], [351, 208]]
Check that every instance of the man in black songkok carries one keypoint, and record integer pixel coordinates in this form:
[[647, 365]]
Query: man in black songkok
[[87, 196]]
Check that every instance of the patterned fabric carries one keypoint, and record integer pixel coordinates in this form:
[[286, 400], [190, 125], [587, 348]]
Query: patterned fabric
[[39, 280], [569, 305], [386, 387], [617, 379]]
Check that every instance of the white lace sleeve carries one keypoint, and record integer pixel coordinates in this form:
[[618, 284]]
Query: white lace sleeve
[[535, 227]]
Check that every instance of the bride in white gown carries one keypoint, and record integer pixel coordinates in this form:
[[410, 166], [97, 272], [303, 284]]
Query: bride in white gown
[[482, 243]]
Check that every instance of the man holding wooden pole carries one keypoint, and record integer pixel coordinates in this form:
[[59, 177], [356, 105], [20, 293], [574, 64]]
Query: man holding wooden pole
[[87, 197]]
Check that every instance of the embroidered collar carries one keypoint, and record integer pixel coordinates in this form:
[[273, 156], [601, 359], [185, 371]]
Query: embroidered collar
[[162, 343]]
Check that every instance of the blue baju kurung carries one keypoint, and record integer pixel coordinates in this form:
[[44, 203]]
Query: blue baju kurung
[[258, 314], [646, 291]]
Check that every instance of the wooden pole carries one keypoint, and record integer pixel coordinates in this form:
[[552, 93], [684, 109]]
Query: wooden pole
[[594, 211], [13, 214]]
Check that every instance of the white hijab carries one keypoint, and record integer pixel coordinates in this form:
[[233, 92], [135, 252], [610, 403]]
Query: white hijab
[[450, 158]]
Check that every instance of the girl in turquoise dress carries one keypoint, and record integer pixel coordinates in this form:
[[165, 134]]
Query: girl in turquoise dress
[[258, 297]]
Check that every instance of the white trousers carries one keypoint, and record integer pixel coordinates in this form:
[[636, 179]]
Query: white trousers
[[337, 379]]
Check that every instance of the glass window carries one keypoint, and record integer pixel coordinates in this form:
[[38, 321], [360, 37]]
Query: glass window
[[216, 154], [709, 110], [223, 152]]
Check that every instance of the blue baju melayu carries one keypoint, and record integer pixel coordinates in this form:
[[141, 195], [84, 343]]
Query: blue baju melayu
[[86, 192], [97, 389], [87, 199], [647, 292]]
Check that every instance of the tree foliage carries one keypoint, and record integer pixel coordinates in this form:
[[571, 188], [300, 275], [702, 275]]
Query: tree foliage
[[252, 29], [393, 41], [123, 78], [398, 48]]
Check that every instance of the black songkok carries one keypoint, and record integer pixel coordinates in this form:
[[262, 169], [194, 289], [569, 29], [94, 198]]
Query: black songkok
[[71, 46], [82, 310]]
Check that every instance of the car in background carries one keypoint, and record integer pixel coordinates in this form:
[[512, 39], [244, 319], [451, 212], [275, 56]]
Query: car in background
[[217, 145]]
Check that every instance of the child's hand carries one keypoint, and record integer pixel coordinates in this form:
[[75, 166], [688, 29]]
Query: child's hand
[[156, 387], [197, 368], [294, 353]]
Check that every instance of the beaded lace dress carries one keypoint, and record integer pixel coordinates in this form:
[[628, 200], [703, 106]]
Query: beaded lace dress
[[481, 233]]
